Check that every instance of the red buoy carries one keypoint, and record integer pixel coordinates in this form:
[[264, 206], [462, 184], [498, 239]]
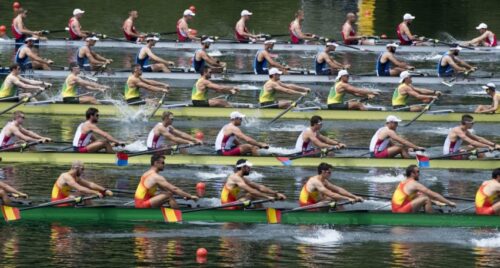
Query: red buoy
[[192, 8], [16, 5], [199, 135], [201, 252], [3, 28], [200, 189]]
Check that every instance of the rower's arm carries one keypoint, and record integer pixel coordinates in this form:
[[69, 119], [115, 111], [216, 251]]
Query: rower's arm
[[407, 31], [98, 57], [218, 88], [154, 83], [88, 84], [254, 188], [83, 189], [174, 138], [239, 134], [479, 39], [272, 62], [183, 135], [9, 189], [433, 195], [361, 92], [475, 140], [22, 136], [211, 61], [156, 58], [127, 27], [396, 62], [327, 140], [420, 96], [103, 133], [334, 64], [92, 58], [393, 135], [166, 186], [241, 31], [75, 26], [327, 192], [30, 133], [425, 91], [92, 185], [27, 84], [320, 141], [35, 57], [295, 87], [150, 87], [283, 89], [462, 64], [493, 107], [346, 32], [340, 190]]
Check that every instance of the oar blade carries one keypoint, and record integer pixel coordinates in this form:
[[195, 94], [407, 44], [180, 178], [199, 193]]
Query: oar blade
[[121, 159], [10, 213], [273, 215], [171, 215], [284, 160], [423, 160]]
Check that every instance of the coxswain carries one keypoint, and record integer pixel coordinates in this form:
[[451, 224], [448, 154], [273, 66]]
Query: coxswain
[[146, 195], [73, 81], [29, 59], [239, 188], [199, 93], [388, 65], [404, 34], [411, 196], [319, 188], [263, 60], [75, 29], [349, 33], [227, 142], [184, 34], [241, 32], [311, 138], [71, 180], [129, 30], [326, 65], [89, 60], [486, 39], [449, 64], [84, 140], [494, 108], [14, 133], [406, 90], [337, 93], [382, 143], [267, 96], [135, 82], [6, 190], [295, 28], [146, 53], [19, 30], [165, 134], [9, 90], [201, 59], [459, 134], [487, 195]]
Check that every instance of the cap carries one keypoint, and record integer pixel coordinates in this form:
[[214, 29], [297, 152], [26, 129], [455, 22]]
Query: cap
[[246, 13], [392, 45], [392, 118], [403, 76], [274, 71], [31, 38], [482, 26], [92, 38], [236, 114], [243, 162], [154, 38], [272, 41], [489, 85], [340, 74], [77, 11], [408, 16], [189, 12], [207, 40], [456, 48], [332, 44]]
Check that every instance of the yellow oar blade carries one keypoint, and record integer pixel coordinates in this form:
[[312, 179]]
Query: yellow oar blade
[[273, 215], [171, 215], [10, 213]]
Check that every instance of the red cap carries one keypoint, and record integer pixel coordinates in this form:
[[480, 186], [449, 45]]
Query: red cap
[[16, 5], [2, 28], [192, 8]]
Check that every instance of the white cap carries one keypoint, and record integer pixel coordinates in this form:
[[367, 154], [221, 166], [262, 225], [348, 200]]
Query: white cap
[[274, 71], [246, 163], [188, 12], [92, 38], [77, 11], [489, 85], [392, 45], [408, 16], [482, 26], [272, 41], [340, 74], [207, 40], [456, 48], [403, 76], [246, 13], [392, 118], [332, 44], [31, 38], [236, 114], [154, 38]]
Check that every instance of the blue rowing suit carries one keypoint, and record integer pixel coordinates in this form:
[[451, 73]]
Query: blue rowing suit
[[321, 68], [260, 67], [198, 65], [445, 71], [145, 65], [83, 62], [383, 69], [24, 63]]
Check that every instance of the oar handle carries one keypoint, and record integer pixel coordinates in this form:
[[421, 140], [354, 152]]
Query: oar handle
[[245, 203], [78, 199]]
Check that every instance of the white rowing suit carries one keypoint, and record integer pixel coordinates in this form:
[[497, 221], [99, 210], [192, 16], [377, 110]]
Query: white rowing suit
[[450, 147], [156, 141], [81, 139], [4, 139], [301, 145], [377, 145], [223, 142]]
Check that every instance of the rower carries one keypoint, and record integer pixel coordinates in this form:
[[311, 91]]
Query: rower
[[462, 133], [349, 33], [263, 60], [164, 132], [145, 53], [199, 93], [19, 30], [311, 138], [486, 39], [267, 94], [135, 82], [295, 28], [71, 180], [201, 59], [5, 190], [129, 30], [71, 84], [184, 34], [319, 188], [337, 93], [146, 195], [89, 60], [404, 34], [411, 196], [487, 195], [9, 90], [13, 132], [495, 105], [326, 65], [382, 146], [388, 64], [28, 59], [449, 64], [75, 29], [406, 89], [239, 188], [84, 141], [227, 142], [241, 32]]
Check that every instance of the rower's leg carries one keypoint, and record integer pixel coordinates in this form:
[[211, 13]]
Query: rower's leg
[[422, 201], [248, 148], [355, 105], [88, 100], [396, 71], [416, 108], [496, 208], [395, 150], [160, 67], [283, 104], [98, 145], [218, 103], [481, 108], [5, 197], [160, 199]]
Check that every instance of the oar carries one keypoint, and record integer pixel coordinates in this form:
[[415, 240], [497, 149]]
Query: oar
[[340, 43], [451, 82], [55, 31], [287, 160], [158, 106], [121, 191], [274, 215], [374, 196], [472, 152], [426, 108], [459, 198], [122, 157], [292, 105], [167, 33], [21, 146], [21, 102], [448, 44]]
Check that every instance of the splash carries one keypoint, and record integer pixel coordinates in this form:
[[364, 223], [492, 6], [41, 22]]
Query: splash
[[281, 150], [321, 237], [492, 242], [384, 178], [437, 130], [288, 128]]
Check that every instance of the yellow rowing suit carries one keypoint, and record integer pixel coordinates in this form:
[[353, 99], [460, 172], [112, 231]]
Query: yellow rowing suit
[[68, 91], [267, 96], [131, 92], [6, 92], [497, 95], [307, 198], [484, 202], [335, 97], [60, 193], [144, 194], [397, 98], [401, 201], [197, 94]]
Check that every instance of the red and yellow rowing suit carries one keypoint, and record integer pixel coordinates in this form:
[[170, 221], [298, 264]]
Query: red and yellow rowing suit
[[484, 202], [60, 193], [401, 201], [307, 198], [228, 196], [143, 194]]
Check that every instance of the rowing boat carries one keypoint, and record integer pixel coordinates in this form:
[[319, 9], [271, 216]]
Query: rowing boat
[[107, 214], [227, 45], [203, 112], [55, 157]]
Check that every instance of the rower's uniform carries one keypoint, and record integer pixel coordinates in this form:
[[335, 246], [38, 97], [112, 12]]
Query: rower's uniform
[[491, 41], [335, 99], [383, 69], [18, 35], [484, 202], [401, 201], [144, 62], [451, 147], [132, 95], [307, 198], [24, 63], [5, 140], [294, 37], [321, 68], [198, 97], [130, 37], [69, 92], [447, 70], [352, 33], [83, 62], [9, 92], [260, 67], [267, 97], [399, 100], [229, 196], [81, 140], [156, 141], [181, 35], [404, 40], [143, 194], [240, 38], [224, 144], [304, 146], [60, 193], [198, 65], [378, 147], [72, 34]]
